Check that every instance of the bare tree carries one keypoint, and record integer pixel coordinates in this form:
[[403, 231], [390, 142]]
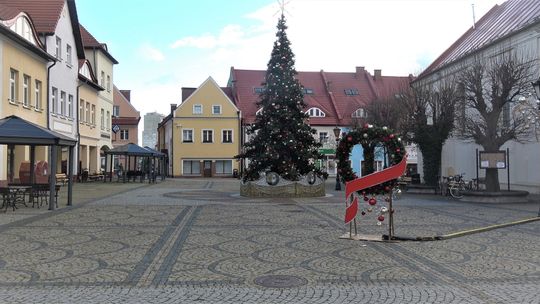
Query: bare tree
[[387, 111], [490, 87], [430, 113]]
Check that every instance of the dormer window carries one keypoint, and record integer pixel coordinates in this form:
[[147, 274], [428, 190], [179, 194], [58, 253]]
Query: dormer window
[[351, 92], [360, 113], [316, 112], [258, 90], [307, 91], [22, 27]]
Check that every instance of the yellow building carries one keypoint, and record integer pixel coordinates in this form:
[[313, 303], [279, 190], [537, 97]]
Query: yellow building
[[23, 66], [90, 133], [205, 133]]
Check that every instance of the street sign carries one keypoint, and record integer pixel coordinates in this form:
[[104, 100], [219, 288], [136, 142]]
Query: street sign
[[116, 128]]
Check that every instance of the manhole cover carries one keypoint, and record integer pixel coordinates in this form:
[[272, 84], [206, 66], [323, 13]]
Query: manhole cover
[[280, 281]]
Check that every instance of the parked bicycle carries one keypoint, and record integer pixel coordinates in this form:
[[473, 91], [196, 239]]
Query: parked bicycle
[[456, 185]]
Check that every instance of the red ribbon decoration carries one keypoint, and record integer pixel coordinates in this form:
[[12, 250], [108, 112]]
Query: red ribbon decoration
[[351, 211], [371, 180]]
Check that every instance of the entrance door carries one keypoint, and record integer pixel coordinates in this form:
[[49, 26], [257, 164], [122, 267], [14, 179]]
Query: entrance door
[[207, 168]]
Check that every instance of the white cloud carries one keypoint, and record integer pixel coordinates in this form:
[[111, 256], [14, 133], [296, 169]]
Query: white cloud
[[151, 53], [399, 37], [229, 35]]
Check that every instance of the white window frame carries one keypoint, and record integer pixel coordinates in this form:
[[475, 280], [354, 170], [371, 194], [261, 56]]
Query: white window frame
[[123, 133], [26, 90], [359, 113], [191, 161], [102, 119], [102, 82], [13, 85], [58, 48], [214, 107], [54, 100], [87, 115], [316, 112], [108, 120], [37, 95], [62, 103], [197, 106], [323, 139], [70, 106], [184, 138], [108, 83], [81, 110], [204, 139], [223, 136], [223, 173], [93, 115], [69, 62], [116, 111]]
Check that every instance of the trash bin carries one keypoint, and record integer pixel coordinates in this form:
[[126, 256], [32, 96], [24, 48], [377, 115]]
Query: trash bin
[[84, 176], [235, 173], [415, 178]]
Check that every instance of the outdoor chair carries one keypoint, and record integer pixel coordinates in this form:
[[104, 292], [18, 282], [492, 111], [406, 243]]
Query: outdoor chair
[[6, 196], [40, 194]]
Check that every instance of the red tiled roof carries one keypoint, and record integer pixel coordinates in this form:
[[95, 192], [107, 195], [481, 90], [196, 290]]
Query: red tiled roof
[[44, 13], [89, 41], [186, 92], [328, 92], [8, 12], [501, 21]]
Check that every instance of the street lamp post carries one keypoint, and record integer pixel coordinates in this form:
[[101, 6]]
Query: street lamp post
[[336, 134], [536, 86]]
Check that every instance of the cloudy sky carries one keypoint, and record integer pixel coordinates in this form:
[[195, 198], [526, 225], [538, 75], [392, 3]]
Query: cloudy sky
[[164, 45]]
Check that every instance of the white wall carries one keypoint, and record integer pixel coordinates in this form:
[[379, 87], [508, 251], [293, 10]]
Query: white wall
[[524, 158]]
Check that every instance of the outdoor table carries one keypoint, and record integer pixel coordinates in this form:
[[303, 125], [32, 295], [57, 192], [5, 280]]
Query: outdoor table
[[15, 194]]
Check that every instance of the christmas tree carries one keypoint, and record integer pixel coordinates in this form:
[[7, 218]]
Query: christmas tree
[[281, 141]]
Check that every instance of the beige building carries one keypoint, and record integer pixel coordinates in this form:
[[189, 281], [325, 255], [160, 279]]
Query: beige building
[[23, 86], [102, 63], [89, 131], [205, 133]]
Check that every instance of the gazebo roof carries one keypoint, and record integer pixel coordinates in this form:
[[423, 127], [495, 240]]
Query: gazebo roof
[[17, 131], [130, 150], [154, 152]]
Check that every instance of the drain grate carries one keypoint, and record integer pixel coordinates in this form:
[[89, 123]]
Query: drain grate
[[280, 281]]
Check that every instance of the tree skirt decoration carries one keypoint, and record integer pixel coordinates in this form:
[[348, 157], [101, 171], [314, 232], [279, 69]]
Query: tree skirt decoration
[[372, 188]]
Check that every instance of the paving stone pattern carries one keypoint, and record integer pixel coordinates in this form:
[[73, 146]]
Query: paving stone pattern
[[197, 241]]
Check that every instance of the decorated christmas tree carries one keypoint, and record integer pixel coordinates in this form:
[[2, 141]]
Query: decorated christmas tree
[[281, 140]]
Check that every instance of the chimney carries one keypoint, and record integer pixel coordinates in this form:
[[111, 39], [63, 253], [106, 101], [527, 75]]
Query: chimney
[[377, 74], [127, 94], [359, 72], [173, 107]]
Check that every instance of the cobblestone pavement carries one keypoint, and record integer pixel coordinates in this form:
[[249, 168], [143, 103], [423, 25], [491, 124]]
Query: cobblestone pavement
[[197, 241]]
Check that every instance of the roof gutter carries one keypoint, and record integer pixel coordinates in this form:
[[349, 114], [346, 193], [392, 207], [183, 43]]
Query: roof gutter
[[49, 95]]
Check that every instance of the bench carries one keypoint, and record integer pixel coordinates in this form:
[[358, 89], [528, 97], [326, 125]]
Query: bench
[[61, 177], [96, 177]]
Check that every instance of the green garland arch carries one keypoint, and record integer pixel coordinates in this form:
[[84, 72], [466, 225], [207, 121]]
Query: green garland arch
[[368, 135]]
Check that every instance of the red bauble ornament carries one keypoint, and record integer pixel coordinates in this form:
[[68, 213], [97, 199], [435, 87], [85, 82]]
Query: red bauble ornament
[[349, 138], [381, 218], [372, 201], [366, 126], [387, 189], [391, 135], [398, 150]]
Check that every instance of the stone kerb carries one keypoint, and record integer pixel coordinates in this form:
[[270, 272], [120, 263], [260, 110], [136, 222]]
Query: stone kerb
[[284, 188], [499, 197]]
